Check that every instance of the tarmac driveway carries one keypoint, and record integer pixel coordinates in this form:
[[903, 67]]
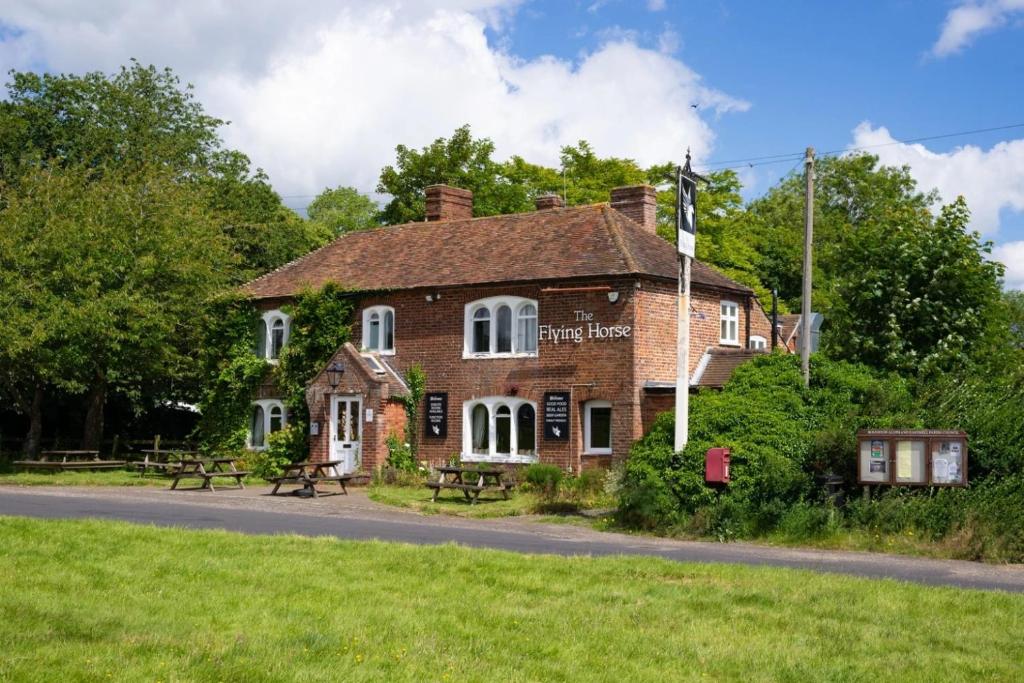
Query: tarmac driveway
[[252, 511]]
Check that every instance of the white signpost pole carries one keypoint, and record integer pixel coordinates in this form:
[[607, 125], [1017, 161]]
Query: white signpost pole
[[686, 232]]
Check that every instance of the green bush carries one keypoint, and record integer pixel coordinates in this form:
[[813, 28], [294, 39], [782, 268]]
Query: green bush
[[400, 455], [284, 447], [545, 479]]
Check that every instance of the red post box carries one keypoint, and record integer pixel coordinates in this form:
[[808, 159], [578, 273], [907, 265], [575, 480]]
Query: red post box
[[716, 466]]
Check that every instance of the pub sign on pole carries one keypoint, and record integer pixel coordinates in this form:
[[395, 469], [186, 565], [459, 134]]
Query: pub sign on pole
[[437, 415], [556, 415], [687, 210]]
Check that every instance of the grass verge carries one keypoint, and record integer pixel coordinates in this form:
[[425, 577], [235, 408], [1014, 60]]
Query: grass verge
[[91, 600], [490, 504]]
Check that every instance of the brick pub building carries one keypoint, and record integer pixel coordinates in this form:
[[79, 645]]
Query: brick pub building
[[546, 336]]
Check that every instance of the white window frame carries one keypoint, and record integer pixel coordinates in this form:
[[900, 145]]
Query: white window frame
[[381, 311], [492, 403], [588, 449], [269, 318], [757, 342], [734, 319], [516, 304], [266, 404]]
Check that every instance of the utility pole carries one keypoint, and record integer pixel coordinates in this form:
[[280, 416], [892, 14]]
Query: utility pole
[[775, 318], [805, 304]]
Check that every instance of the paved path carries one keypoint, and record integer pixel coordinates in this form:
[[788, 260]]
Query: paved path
[[355, 517]]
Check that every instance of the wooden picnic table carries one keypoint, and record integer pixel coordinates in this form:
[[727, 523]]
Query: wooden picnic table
[[455, 477], [160, 460], [70, 460], [218, 467], [309, 474]]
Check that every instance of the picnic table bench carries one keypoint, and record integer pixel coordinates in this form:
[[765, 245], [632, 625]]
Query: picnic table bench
[[219, 467], [70, 460], [454, 478], [160, 461], [309, 474]]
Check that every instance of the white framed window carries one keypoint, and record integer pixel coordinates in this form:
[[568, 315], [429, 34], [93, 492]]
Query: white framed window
[[730, 324], [757, 342], [272, 333], [379, 329], [268, 416], [499, 429], [500, 327], [597, 428]]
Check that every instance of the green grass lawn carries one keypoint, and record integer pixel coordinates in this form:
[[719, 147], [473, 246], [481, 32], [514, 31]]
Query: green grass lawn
[[103, 478], [87, 601]]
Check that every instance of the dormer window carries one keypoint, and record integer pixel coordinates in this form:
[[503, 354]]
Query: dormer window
[[379, 329], [501, 327], [272, 334]]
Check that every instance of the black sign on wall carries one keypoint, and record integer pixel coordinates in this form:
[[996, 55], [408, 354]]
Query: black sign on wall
[[436, 425], [556, 415]]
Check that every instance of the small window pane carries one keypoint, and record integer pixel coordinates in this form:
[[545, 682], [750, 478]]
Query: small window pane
[[526, 332], [504, 329], [482, 331], [261, 339], [373, 339], [526, 430], [276, 419], [600, 427], [256, 427], [481, 442], [276, 338], [503, 430], [389, 331], [353, 421]]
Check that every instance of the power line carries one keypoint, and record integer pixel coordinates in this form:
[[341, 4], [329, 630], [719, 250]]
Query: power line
[[781, 158]]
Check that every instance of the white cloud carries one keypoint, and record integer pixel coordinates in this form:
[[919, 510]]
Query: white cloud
[[655, 5], [990, 180], [964, 22], [1011, 254], [321, 96]]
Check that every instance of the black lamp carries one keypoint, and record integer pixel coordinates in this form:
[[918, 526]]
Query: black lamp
[[334, 372]]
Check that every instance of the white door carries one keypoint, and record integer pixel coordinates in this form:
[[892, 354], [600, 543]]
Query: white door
[[346, 416]]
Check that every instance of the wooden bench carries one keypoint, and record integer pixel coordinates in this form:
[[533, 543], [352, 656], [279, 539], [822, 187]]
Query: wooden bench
[[60, 461], [308, 475], [452, 477], [196, 469], [160, 461]]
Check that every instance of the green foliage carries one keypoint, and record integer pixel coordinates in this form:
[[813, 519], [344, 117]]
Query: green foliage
[[925, 298], [546, 479], [231, 373], [320, 323], [774, 429], [400, 455], [416, 381], [343, 209], [285, 446]]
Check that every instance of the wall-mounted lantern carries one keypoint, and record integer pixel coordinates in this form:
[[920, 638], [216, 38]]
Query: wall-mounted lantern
[[334, 372]]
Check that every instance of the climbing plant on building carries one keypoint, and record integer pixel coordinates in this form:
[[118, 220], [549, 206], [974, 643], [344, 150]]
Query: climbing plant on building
[[416, 381]]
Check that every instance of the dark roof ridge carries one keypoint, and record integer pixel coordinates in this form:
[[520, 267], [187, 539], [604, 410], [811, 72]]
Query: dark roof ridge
[[619, 240]]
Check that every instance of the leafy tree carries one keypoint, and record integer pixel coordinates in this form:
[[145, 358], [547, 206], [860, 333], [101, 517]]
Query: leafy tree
[[343, 209], [461, 161], [911, 292], [108, 269]]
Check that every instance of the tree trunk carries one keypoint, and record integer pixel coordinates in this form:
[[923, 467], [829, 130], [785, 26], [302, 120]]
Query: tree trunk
[[92, 435], [35, 424]]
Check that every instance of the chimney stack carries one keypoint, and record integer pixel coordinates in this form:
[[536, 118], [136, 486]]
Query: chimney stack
[[548, 201], [446, 203], [639, 202]]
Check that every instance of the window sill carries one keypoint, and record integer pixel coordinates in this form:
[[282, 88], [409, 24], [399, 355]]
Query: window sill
[[377, 351], [507, 459], [723, 342], [600, 452], [466, 355]]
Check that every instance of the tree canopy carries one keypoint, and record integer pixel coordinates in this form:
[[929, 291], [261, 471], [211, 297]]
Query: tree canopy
[[343, 209]]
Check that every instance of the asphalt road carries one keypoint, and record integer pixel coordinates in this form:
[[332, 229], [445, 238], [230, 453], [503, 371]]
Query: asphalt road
[[526, 538]]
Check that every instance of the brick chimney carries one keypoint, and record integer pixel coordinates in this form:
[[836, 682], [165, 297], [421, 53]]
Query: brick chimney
[[548, 201], [639, 202], [447, 203]]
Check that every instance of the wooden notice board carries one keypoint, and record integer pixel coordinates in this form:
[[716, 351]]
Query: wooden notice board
[[912, 457]]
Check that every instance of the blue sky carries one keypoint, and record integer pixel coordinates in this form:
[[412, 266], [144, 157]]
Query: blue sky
[[319, 97]]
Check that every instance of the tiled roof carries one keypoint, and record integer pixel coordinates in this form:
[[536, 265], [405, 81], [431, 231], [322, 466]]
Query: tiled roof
[[719, 364], [554, 244], [788, 322]]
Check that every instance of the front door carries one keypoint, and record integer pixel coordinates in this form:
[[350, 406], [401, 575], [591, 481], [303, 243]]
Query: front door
[[345, 432]]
